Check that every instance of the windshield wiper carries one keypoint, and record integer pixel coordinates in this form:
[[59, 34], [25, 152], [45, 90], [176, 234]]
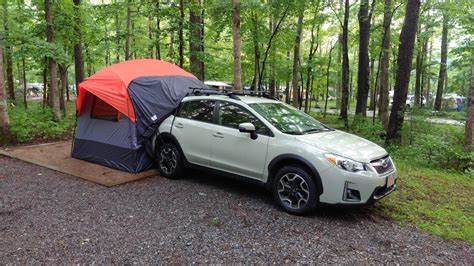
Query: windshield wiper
[[293, 132], [314, 130]]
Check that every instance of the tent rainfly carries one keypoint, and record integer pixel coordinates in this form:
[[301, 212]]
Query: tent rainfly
[[120, 107]]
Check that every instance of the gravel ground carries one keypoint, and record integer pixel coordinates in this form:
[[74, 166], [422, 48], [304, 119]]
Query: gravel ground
[[49, 217]]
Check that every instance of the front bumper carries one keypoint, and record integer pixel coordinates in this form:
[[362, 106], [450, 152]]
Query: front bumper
[[367, 187]]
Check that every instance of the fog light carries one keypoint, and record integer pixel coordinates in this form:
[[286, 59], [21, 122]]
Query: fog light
[[350, 194]]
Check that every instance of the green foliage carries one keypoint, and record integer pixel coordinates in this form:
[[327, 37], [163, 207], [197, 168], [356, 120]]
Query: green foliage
[[438, 201], [373, 132], [425, 143], [36, 123]]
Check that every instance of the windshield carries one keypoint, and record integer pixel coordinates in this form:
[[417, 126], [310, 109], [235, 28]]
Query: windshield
[[288, 119]]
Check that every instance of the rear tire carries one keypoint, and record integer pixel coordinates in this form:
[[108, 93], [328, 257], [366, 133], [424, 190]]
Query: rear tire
[[169, 161], [294, 190]]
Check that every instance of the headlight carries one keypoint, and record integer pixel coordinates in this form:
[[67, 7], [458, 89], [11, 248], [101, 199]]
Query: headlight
[[345, 163]]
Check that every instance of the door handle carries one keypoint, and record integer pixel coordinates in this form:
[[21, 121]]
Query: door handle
[[179, 125], [218, 135]]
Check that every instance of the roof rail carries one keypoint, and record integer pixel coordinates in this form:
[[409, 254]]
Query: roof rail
[[230, 93], [262, 94]]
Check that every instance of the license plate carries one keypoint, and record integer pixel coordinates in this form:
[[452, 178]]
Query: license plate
[[390, 180]]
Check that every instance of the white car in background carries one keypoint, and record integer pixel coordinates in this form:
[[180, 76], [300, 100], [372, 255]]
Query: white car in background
[[411, 101], [303, 162]]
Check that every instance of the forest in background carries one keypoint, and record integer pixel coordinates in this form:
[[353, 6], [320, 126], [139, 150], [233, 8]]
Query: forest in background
[[305, 51]]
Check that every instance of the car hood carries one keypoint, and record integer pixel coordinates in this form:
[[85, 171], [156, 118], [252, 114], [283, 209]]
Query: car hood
[[344, 144]]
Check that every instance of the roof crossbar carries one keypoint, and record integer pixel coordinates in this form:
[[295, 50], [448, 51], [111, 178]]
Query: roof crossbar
[[230, 93]]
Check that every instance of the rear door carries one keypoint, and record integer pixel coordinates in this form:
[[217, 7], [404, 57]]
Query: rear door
[[233, 151], [192, 128]]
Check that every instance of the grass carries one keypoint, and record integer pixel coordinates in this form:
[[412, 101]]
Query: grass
[[438, 201], [434, 193], [35, 123]]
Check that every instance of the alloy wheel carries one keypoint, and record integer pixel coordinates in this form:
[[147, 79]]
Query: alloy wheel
[[168, 160], [293, 190]]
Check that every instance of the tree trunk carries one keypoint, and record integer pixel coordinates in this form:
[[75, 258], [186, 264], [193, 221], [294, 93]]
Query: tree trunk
[[158, 30], [327, 81], [52, 62], [312, 51], [107, 46], [296, 57], [236, 40], [151, 45], [339, 62], [180, 33], [171, 47], [133, 55], [363, 71], [419, 65], [127, 37], [117, 33], [269, 45], [8, 53], [271, 81], [405, 56], [428, 78], [470, 112], [345, 66], [68, 97], [62, 91], [287, 85], [78, 58], [256, 49], [45, 82], [23, 67], [372, 84], [385, 64], [444, 57], [196, 46], [423, 71], [300, 103], [4, 119]]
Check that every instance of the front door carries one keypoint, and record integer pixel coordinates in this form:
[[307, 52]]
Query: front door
[[233, 151]]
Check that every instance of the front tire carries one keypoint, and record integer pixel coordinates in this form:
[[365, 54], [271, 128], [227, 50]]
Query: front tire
[[294, 190], [169, 161]]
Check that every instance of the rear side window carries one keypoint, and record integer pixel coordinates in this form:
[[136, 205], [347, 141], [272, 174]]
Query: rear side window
[[231, 115], [202, 110]]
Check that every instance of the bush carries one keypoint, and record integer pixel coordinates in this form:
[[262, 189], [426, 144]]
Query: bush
[[423, 143], [36, 122]]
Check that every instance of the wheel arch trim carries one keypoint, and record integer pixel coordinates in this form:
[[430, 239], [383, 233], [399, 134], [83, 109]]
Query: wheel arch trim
[[167, 135], [273, 166]]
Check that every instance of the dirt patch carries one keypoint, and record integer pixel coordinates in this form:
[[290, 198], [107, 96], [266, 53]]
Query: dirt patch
[[57, 156]]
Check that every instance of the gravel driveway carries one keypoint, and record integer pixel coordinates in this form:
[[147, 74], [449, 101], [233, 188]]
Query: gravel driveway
[[49, 217]]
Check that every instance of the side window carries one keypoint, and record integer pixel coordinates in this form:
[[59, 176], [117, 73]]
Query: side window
[[231, 115], [202, 110]]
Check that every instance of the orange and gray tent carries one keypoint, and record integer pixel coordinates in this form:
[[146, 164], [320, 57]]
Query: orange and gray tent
[[120, 107]]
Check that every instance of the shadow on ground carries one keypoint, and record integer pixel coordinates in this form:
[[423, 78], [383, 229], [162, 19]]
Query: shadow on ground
[[257, 191]]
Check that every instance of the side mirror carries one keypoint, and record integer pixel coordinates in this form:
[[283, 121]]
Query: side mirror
[[248, 128]]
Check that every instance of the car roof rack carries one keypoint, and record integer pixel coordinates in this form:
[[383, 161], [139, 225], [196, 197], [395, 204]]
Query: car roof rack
[[230, 93], [262, 94]]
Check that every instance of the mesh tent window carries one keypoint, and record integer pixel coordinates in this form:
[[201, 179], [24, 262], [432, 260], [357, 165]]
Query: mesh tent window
[[104, 111]]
